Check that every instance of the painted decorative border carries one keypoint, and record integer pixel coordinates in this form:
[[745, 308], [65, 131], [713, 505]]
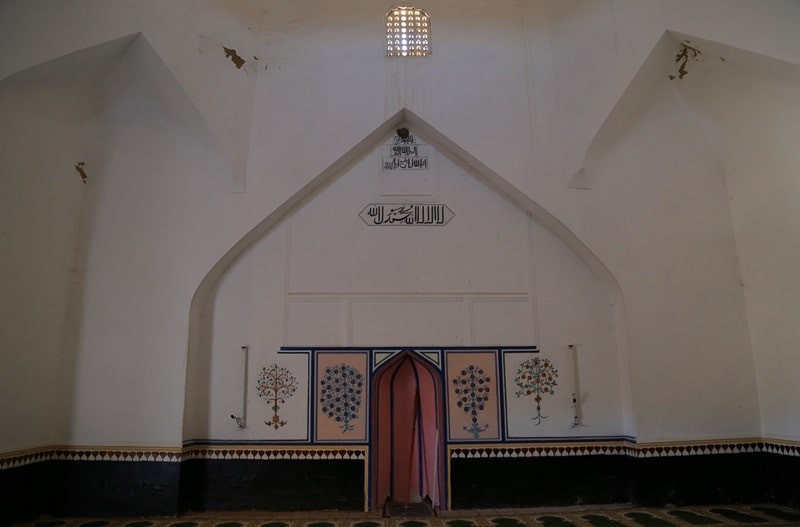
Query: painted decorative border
[[466, 451], [78, 453], [550, 450], [272, 453], [624, 448]]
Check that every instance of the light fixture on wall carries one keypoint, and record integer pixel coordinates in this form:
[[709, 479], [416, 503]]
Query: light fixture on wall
[[241, 419], [577, 411]]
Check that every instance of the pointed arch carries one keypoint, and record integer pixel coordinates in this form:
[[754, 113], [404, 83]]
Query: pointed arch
[[407, 436], [197, 367]]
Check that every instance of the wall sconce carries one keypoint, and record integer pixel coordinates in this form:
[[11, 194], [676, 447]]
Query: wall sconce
[[577, 411], [241, 419]]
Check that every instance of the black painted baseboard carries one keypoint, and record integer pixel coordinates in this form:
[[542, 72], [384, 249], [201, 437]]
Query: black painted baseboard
[[655, 482], [697, 480], [25, 492], [88, 488], [106, 488], [782, 483], [275, 485], [535, 482], [115, 488]]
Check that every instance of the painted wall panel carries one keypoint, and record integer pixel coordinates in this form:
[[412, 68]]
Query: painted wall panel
[[409, 322], [290, 421], [473, 405], [319, 322], [536, 406], [341, 397], [506, 321]]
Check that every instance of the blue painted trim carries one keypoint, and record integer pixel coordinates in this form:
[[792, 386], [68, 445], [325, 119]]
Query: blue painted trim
[[532, 349], [310, 397], [540, 440], [502, 403]]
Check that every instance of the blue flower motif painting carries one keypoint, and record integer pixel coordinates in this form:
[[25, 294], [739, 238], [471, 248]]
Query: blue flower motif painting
[[340, 394], [472, 388]]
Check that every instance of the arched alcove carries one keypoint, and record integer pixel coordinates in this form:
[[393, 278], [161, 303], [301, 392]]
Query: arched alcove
[[407, 457], [312, 273]]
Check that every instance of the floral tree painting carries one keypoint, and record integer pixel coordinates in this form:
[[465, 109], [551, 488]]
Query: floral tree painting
[[276, 384], [341, 387], [472, 388], [536, 376]]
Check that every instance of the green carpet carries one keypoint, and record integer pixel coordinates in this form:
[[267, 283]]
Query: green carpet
[[722, 516]]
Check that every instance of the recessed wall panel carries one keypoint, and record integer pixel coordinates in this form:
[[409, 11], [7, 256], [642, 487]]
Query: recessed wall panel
[[406, 322], [502, 322], [315, 322]]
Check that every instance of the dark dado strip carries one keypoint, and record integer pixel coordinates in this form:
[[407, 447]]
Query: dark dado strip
[[654, 482], [115, 488], [97, 488], [141, 488], [274, 485], [698, 480], [25, 492], [488, 483]]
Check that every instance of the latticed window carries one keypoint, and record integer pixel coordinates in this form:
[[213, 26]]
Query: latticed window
[[408, 32]]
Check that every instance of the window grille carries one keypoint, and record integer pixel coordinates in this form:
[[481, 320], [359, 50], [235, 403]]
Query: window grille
[[408, 32]]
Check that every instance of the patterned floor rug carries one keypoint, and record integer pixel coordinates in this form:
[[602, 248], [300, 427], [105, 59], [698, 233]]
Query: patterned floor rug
[[720, 516]]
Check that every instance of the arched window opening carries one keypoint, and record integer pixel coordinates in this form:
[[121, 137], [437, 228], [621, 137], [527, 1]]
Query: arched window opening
[[408, 32]]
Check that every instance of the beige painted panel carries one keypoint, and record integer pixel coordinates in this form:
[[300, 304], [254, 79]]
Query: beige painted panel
[[342, 417], [472, 402]]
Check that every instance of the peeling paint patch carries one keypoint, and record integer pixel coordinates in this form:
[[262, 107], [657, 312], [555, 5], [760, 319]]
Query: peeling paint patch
[[234, 56], [685, 54], [79, 168]]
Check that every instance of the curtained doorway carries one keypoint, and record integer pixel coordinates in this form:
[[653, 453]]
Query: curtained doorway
[[408, 457]]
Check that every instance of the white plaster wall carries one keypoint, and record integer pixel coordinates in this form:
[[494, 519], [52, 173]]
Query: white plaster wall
[[189, 36], [41, 203], [752, 110], [671, 242], [523, 86], [146, 241], [485, 278], [594, 49], [576, 308]]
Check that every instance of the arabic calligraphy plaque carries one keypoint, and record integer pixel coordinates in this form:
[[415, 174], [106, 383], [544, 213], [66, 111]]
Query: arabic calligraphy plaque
[[407, 214], [405, 154]]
